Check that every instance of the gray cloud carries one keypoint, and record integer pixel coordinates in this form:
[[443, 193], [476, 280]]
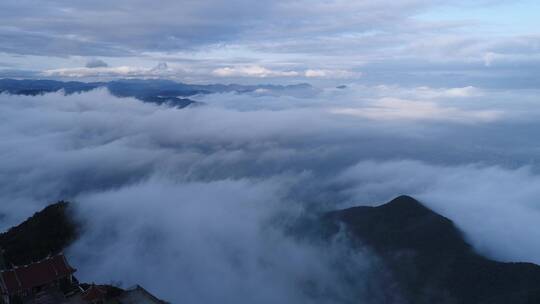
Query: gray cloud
[[225, 246], [387, 41], [126, 25], [96, 63], [201, 195]]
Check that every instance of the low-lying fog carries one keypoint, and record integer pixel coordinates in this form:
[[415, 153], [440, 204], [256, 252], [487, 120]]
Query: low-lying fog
[[191, 203]]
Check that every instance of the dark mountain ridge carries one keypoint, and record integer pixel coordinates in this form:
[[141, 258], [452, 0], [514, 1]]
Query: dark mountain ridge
[[45, 233], [429, 258], [157, 91], [43, 237]]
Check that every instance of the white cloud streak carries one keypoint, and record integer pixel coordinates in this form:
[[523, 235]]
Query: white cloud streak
[[252, 71]]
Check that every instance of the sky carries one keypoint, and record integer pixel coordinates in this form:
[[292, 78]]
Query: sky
[[431, 99], [483, 42]]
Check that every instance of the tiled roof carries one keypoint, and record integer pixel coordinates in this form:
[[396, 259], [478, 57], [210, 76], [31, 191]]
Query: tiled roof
[[36, 274]]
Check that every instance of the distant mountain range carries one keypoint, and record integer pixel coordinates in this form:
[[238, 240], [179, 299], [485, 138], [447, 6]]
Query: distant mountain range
[[425, 253], [148, 90]]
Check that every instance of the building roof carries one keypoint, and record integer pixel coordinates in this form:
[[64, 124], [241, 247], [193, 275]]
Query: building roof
[[35, 274], [94, 293]]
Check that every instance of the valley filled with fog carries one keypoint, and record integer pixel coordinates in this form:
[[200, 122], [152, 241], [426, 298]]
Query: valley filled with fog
[[195, 203]]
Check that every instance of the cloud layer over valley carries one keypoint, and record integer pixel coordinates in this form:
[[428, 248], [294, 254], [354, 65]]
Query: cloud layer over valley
[[194, 203]]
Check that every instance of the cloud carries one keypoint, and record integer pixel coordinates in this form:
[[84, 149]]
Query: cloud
[[395, 108], [464, 92], [217, 241], [103, 71], [321, 40], [96, 63], [121, 71], [252, 71], [339, 74], [263, 72], [180, 25], [92, 152], [203, 196]]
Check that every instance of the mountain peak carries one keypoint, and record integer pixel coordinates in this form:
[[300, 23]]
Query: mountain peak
[[404, 199], [403, 224], [407, 206], [430, 259]]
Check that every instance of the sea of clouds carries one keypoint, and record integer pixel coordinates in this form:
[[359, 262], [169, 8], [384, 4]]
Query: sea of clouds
[[193, 203]]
